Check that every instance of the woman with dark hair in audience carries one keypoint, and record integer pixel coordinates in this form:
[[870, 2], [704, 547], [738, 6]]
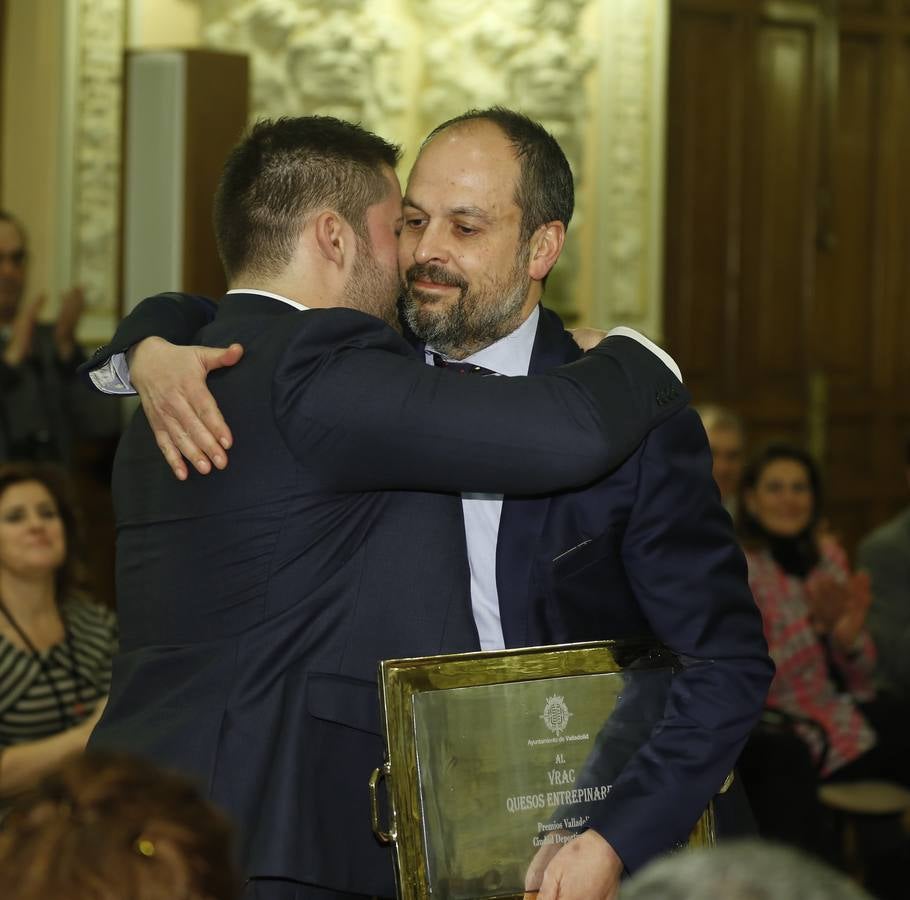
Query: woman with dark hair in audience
[[829, 725], [108, 826], [814, 609], [55, 644]]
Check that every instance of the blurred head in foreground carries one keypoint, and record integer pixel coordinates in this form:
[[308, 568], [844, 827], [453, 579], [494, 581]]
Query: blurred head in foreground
[[109, 827], [741, 870]]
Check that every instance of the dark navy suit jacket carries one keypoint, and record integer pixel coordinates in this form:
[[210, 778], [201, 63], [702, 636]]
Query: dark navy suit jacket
[[648, 550], [255, 603]]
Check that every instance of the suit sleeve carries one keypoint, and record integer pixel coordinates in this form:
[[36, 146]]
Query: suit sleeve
[[889, 616], [690, 579], [368, 415], [175, 317]]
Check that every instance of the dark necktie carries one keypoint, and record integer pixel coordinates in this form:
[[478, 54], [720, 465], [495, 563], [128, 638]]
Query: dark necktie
[[462, 368]]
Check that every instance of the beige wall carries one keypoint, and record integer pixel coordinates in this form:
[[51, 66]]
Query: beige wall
[[31, 131], [163, 23], [41, 61]]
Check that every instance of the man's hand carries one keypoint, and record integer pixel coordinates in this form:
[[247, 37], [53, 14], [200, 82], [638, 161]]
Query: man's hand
[[181, 411], [72, 303], [22, 330], [587, 868], [554, 841]]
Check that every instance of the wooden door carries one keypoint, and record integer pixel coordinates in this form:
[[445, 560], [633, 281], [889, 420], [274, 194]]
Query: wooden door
[[787, 290], [861, 312]]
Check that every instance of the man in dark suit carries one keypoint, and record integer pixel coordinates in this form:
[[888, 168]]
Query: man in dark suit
[[885, 554], [648, 550], [256, 603]]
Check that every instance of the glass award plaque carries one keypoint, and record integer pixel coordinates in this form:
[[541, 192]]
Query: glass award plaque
[[496, 760]]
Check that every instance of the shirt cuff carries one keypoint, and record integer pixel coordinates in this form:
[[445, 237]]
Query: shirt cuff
[[662, 355], [113, 377]]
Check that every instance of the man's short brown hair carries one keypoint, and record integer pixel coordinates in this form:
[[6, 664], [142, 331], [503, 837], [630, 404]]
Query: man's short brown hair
[[285, 170]]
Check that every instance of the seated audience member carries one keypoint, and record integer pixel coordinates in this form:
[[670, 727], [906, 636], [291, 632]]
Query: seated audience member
[[47, 412], [55, 644], [726, 437], [741, 870], [39, 389], [814, 612], [885, 554], [107, 826]]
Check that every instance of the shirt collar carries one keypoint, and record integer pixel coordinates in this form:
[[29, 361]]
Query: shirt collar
[[293, 303], [510, 355]]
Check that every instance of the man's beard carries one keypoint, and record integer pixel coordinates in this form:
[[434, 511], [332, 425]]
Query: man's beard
[[479, 316], [371, 289]]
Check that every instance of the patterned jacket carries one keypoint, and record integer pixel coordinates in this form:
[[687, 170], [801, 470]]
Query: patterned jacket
[[802, 685]]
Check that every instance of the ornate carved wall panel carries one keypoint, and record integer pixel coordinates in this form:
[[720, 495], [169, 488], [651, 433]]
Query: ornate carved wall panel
[[628, 228], [529, 54], [316, 58], [590, 70], [403, 66], [96, 172]]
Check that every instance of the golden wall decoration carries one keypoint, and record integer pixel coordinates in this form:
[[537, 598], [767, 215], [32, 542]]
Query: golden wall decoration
[[95, 210], [591, 70]]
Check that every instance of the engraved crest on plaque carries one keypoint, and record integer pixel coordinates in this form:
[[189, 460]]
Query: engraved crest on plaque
[[556, 714]]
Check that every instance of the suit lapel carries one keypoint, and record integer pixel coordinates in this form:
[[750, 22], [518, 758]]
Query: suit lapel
[[523, 518]]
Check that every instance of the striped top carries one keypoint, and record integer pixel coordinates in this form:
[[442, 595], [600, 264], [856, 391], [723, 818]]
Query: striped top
[[76, 673]]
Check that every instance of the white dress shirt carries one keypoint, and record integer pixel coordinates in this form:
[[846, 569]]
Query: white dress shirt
[[510, 355]]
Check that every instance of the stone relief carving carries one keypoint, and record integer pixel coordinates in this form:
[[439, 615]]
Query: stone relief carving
[[96, 206], [631, 236], [263, 29], [627, 181], [528, 54], [315, 57], [345, 57], [341, 64]]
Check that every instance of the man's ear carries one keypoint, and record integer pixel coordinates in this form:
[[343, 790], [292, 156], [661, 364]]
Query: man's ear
[[546, 245], [333, 236]]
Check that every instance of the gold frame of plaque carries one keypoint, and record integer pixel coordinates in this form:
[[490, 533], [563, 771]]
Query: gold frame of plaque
[[404, 682]]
